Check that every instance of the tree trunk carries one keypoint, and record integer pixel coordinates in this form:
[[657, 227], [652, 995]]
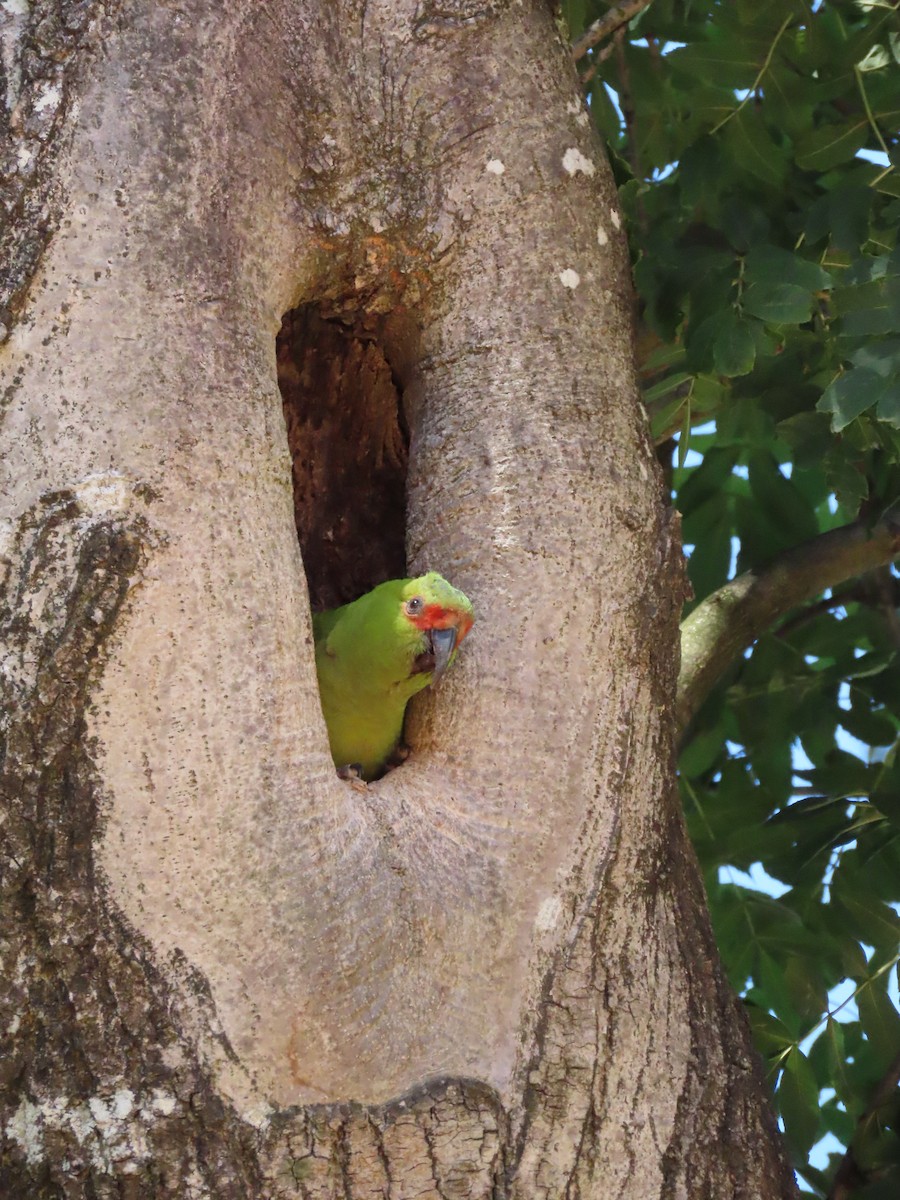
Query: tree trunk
[[225, 971]]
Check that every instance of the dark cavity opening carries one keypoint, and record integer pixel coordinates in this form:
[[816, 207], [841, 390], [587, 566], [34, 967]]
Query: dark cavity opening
[[349, 447]]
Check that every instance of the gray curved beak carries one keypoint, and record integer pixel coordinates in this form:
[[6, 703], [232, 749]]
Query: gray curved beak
[[443, 643]]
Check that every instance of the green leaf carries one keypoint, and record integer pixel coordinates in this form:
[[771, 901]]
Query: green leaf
[[770, 1034], [774, 991], [889, 406], [839, 1122], [734, 348], [870, 303], [791, 515], [847, 482], [869, 725], [780, 285], [753, 150], [735, 63], [666, 421], [879, 1019], [710, 526], [573, 12], [704, 483], [841, 215], [664, 386], [778, 303], [708, 394], [700, 752], [768, 265], [836, 1057], [881, 357], [798, 1101], [744, 223], [809, 436], [700, 340], [889, 184], [823, 148], [851, 394], [789, 101], [808, 806], [867, 918], [884, 1188]]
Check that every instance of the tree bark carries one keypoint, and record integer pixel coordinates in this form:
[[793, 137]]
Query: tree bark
[[729, 620], [226, 972]]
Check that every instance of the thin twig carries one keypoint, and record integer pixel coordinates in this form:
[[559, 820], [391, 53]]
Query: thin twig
[[759, 78], [857, 592], [874, 126], [865, 99], [605, 25], [600, 57], [811, 611]]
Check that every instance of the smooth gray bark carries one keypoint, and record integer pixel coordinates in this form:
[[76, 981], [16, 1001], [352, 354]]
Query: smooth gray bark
[[227, 973]]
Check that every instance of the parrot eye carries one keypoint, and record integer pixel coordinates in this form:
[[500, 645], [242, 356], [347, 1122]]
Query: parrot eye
[[414, 606]]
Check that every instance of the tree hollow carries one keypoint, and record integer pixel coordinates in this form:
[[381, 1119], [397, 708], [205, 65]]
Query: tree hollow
[[349, 446]]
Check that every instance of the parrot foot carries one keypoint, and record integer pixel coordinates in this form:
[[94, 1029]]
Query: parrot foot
[[398, 756], [352, 773]]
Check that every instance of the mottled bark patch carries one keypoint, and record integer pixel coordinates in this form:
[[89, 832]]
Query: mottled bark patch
[[44, 50], [435, 17], [349, 447], [98, 1085]]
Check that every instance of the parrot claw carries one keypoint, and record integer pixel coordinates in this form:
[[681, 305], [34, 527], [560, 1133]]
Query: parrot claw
[[398, 757], [352, 773]]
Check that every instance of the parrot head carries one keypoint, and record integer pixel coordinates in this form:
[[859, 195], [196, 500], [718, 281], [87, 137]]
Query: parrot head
[[437, 616]]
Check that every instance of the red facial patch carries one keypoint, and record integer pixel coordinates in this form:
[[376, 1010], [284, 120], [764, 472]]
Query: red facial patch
[[435, 616]]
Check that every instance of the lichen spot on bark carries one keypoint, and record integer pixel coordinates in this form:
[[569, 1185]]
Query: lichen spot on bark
[[576, 109], [574, 161], [548, 915], [348, 443]]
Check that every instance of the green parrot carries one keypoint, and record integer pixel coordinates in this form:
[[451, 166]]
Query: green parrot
[[373, 655]]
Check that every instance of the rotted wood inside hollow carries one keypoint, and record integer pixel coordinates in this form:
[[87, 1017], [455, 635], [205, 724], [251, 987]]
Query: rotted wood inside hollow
[[349, 449]]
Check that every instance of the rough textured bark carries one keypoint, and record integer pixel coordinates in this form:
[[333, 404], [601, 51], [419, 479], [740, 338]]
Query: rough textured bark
[[227, 973]]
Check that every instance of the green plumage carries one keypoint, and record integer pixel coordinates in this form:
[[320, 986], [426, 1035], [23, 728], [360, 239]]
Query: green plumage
[[373, 655]]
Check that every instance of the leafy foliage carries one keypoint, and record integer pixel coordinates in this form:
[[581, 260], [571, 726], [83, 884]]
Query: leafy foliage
[[755, 144]]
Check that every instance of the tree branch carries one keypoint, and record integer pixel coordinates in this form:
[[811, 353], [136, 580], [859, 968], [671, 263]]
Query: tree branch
[[605, 25], [599, 58], [849, 1174], [731, 619]]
